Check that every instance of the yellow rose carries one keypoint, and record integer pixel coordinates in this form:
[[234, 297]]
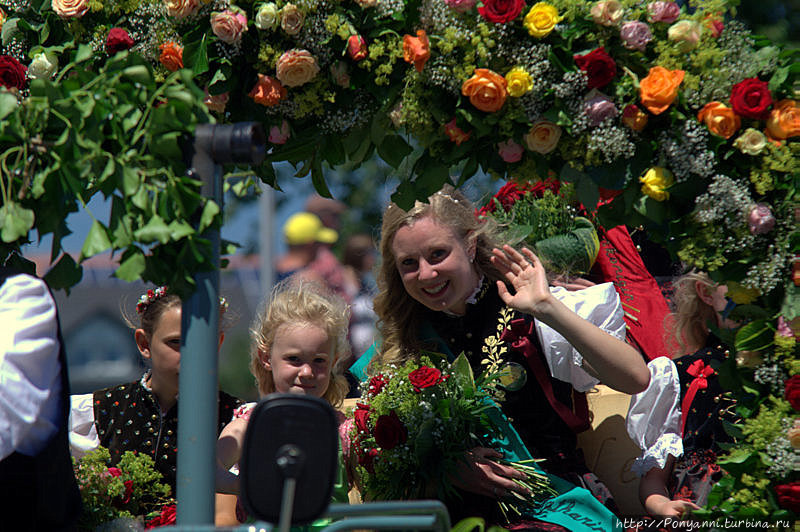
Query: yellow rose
[[751, 142], [655, 183], [70, 8], [296, 67], [541, 19], [543, 136], [518, 82], [181, 8]]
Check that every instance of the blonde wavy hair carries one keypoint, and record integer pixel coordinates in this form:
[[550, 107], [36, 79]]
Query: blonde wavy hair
[[301, 302], [687, 326], [399, 315]]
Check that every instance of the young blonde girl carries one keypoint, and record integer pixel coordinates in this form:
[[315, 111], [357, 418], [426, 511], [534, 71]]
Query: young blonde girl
[[299, 341], [677, 421]]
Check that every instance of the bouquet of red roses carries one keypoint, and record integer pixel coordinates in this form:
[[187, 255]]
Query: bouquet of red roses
[[413, 425]]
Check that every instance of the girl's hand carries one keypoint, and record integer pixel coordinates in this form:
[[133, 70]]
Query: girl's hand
[[670, 508], [482, 475], [526, 274]]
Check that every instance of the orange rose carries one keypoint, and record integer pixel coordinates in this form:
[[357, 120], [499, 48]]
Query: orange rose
[[416, 50], [267, 91], [486, 90], [171, 56], [659, 89], [784, 120], [720, 119]]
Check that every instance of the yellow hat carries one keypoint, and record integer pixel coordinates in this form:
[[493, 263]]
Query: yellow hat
[[305, 228]]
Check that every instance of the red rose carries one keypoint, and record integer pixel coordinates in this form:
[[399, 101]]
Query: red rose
[[126, 498], [361, 417], [390, 431], [367, 460], [166, 517], [357, 48], [424, 377], [789, 496], [598, 65], [499, 11], [751, 98], [118, 40], [377, 383], [792, 391], [114, 472], [12, 73]]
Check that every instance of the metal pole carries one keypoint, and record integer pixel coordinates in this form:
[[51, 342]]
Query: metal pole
[[198, 381], [266, 230]]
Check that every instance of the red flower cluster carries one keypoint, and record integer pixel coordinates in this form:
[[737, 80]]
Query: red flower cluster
[[13, 74], [792, 391], [424, 377], [126, 497], [751, 98], [511, 192], [117, 41], [789, 496], [501, 11], [598, 65], [167, 517], [377, 383]]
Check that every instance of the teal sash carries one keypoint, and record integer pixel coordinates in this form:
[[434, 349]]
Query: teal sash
[[574, 508]]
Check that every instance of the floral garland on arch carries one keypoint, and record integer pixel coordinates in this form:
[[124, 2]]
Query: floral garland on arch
[[677, 117]]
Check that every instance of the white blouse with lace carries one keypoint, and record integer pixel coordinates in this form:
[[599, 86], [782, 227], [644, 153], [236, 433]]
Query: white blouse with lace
[[654, 417]]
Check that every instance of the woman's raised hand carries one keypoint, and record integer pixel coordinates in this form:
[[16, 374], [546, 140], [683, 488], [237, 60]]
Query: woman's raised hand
[[480, 474], [524, 271]]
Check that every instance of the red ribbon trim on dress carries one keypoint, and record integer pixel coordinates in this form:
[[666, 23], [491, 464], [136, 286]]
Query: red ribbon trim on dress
[[700, 372], [518, 334]]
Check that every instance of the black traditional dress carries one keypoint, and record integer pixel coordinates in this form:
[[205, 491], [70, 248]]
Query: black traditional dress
[[128, 418], [681, 414]]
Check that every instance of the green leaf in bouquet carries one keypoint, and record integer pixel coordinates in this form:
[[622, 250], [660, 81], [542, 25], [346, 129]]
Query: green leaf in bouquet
[[462, 371], [755, 336]]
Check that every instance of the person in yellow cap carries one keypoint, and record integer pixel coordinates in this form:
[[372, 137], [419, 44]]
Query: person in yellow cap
[[303, 233]]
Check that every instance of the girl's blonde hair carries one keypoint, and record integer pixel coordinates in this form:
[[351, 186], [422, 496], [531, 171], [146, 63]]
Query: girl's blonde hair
[[301, 302], [399, 315], [687, 325]]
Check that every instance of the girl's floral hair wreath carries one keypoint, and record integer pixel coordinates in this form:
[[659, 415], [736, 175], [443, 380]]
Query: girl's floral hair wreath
[[154, 294]]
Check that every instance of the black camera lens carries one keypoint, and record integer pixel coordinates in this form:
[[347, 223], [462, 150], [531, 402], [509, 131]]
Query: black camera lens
[[242, 142]]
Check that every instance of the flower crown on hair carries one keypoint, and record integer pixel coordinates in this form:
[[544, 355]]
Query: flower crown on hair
[[148, 297], [154, 294]]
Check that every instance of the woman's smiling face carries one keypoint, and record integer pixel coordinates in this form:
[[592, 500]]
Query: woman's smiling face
[[434, 265]]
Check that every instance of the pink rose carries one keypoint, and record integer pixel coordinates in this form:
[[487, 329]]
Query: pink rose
[[296, 67], [510, 151], [70, 8], [598, 107], [663, 12], [635, 35], [229, 25], [292, 19], [760, 219], [461, 6], [279, 135]]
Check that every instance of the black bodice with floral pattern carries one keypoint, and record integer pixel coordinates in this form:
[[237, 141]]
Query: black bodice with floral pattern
[[128, 418], [477, 334]]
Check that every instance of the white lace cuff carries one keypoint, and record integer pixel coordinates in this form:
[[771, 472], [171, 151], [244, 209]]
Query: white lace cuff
[[656, 456]]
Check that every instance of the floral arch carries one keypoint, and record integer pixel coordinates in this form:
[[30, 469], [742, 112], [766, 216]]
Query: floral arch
[[675, 116]]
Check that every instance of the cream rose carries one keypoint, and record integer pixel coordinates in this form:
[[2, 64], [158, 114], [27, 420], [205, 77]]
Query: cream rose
[[181, 8], [70, 8], [266, 16], [42, 66], [296, 67], [543, 136], [607, 12], [686, 33], [367, 3], [229, 25], [292, 19], [751, 142]]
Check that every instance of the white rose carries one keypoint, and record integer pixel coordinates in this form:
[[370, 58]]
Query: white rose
[[267, 16], [42, 66]]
